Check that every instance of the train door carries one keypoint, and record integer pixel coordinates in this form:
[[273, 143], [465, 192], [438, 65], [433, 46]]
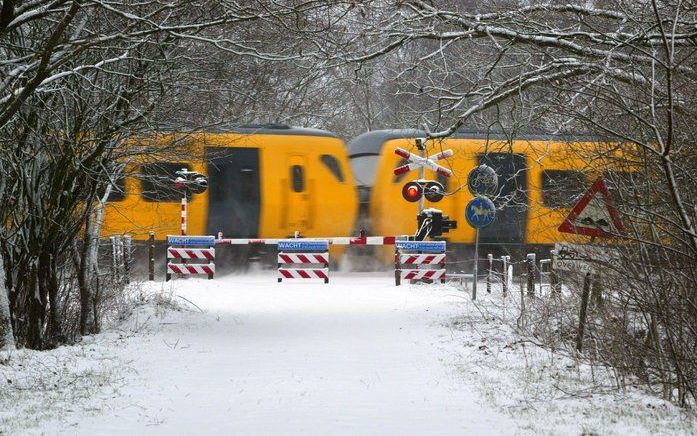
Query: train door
[[512, 200], [234, 198], [297, 192]]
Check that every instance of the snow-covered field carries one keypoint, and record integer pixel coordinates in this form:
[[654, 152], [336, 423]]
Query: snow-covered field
[[248, 355]]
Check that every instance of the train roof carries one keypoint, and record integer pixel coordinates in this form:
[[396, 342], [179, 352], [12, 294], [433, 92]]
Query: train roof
[[372, 142], [262, 129], [277, 129]]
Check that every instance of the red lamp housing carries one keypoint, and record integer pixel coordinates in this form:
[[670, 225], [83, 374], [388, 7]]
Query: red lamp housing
[[412, 192]]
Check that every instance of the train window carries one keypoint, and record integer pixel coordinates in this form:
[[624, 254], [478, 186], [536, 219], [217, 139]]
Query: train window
[[297, 173], [157, 181], [330, 162], [562, 188], [247, 184]]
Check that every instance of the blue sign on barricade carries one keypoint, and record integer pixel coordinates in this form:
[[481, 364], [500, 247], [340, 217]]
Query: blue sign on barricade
[[191, 241], [426, 246], [303, 245]]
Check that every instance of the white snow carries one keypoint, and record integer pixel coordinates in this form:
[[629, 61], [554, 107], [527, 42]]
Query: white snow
[[357, 356]]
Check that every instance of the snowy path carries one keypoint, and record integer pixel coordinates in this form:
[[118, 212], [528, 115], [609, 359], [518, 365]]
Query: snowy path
[[356, 356]]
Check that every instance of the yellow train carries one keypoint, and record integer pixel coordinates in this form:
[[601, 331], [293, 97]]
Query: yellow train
[[269, 181], [540, 179], [265, 181]]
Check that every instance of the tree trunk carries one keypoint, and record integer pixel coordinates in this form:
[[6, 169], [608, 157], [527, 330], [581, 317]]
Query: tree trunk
[[7, 340], [89, 273]]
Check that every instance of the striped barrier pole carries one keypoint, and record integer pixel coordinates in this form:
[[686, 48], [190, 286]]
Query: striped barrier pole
[[369, 240], [183, 228]]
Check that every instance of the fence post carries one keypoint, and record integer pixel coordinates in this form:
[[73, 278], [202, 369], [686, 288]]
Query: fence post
[[531, 274], [583, 313], [127, 245], [397, 273], [597, 291], [490, 259], [151, 256], [554, 284], [504, 260], [114, 258]]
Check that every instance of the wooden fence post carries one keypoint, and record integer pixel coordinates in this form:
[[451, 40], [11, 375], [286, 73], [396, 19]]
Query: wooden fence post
[[584, 311], [489, 272], [397, 273], [504, 261], [531, 274], [127, 245], [151, 256], [597, 290], [554, 284], [114, 258]]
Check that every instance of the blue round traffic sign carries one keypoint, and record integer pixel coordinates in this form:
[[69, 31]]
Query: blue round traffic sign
[[482, 180], [480, 212]]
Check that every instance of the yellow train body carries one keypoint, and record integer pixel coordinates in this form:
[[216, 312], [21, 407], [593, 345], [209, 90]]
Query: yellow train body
[[530, 210], [263, 183]]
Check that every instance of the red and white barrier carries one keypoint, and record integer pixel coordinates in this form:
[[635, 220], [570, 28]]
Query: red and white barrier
[[419, 261], [366, 240], [180, 254], [191, 253], [304, 258], [191, 268], [421, 274], [422, 259], [304, 273]]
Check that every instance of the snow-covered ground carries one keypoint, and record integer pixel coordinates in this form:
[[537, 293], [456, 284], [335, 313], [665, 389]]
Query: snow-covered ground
[[357, 356]]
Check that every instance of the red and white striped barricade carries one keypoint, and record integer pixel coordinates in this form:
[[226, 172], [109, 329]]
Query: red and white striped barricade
[[303, 259], [419, 261], [189, 255]]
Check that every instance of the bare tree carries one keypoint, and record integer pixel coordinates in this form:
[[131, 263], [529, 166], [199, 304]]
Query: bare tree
[[621, 69]]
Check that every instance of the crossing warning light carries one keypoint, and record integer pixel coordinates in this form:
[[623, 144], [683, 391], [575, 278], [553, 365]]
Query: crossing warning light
[[412, 191], [433, 191], [190, 181]]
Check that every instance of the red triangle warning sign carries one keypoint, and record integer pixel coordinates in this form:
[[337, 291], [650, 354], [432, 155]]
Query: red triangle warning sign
[[594, 214]]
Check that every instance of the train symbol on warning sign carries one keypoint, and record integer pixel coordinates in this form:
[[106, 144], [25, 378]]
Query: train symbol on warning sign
[[594, 215]]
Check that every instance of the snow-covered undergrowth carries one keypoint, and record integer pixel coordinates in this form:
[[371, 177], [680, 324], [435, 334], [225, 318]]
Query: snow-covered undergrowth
[[551, 392], [40, 386]]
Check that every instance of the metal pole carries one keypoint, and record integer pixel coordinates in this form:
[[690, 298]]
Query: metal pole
[[422, 175], [476, 269], [184, 214], [151, 256]]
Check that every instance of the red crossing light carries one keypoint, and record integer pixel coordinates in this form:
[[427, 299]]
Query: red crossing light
[[412, 192]]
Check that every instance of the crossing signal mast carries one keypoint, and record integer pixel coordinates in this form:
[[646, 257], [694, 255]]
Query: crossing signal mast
[[431, 222]]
